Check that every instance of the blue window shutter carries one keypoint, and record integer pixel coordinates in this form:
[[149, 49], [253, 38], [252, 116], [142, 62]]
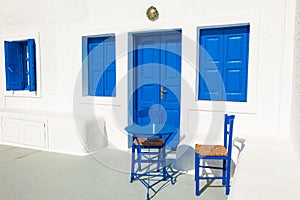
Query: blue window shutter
[[13, 66], [211, 65], [32, 64], [224, 64], [236, 41], [102, 66], [110, 67], [95, 67]]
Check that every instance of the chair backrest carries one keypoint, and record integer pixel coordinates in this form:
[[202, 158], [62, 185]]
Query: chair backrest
[[228, 131]]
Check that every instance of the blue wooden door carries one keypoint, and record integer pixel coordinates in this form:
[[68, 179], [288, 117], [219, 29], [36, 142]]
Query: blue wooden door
[[157, 67]]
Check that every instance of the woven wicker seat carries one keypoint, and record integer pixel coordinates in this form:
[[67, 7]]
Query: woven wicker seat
[[211, 150], [151, 142]]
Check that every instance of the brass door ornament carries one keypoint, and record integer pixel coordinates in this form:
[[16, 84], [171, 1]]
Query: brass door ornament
[[152, 13]]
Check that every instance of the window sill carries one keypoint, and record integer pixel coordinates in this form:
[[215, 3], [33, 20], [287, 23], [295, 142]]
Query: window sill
[[227, 106], [97, 100], [22, 93]]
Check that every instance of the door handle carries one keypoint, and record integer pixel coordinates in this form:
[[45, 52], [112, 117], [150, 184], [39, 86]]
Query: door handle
[[162, 92]]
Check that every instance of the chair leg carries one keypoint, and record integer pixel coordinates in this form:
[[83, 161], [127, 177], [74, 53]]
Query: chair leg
[[228, 177], [159, 160], [164, 163], [224, 173], [139, 158], [197, 163], [132, 163]]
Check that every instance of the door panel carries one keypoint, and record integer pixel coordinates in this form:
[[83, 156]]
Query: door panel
[[236, 62], [95, 49], [14, 66], [102, 66], [211, 57], [157, 67], [25, 132], [11, 130], [171, 81], [146, 67], [33, 133]]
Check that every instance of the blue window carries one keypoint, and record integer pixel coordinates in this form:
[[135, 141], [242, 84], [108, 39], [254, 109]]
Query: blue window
[[20, 65], [223, 71], [101, 66]]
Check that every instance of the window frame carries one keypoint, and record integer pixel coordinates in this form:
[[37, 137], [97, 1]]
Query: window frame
[[26, 63], [85, 65], [24, 93]]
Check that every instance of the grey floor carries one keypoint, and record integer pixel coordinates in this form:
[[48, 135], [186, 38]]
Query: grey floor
[[27, 174]]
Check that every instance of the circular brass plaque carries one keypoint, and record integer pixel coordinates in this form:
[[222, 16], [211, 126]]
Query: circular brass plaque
[[152, 13]]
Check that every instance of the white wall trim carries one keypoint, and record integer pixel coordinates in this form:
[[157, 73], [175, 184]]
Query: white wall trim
[[249, 107]]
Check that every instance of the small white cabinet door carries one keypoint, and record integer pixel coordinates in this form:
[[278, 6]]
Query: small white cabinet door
[[24, 132], [33, 133], [12, 130]]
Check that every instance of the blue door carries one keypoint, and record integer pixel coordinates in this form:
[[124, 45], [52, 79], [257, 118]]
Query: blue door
[[157, 79]]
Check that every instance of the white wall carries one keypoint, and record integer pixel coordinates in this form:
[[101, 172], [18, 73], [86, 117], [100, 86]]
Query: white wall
[[60, 25], [295, 119]]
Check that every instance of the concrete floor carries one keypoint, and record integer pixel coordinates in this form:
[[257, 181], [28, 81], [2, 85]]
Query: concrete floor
[[34, 175], [268, 169]]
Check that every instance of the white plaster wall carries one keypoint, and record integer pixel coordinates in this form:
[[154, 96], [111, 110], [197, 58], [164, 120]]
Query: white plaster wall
[[295, 120], [60, 26]]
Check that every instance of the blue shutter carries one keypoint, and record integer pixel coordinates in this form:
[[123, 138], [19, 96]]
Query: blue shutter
[[109, 66], [32, 64], [224, 64], [13, 66], [236, 41], [102, 66], [211, 64], [95, 67]]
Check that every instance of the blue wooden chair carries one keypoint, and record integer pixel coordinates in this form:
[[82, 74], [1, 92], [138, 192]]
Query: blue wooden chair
[[147, 150], [215, 152]]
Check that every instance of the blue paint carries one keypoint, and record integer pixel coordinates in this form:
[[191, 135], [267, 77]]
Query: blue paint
[[157, 67], [13, 66], [20, 65], [101, 66], [32, 65], [224, 64]]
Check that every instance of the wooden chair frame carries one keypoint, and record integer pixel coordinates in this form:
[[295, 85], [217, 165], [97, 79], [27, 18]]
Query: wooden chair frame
[[216, 152]]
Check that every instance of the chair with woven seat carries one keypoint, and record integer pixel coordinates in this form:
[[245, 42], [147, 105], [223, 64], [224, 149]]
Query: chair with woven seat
[[215, 152], [148, 150]]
